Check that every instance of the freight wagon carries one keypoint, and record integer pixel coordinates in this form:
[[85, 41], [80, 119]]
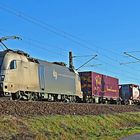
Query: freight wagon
[[129, 93], [99, 88]]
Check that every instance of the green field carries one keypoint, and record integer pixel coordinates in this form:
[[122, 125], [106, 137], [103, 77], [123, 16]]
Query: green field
[[106, 127]]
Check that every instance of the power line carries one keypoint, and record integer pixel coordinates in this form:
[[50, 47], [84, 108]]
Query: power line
[[37, 41], [126, 53], [86, 62], [34, 44], [93, 65], [38, 44], [121, 71], [83, 56], [38, 23], [31, 42], [52, 29], [125, 63], [47, 27], [133, 52]]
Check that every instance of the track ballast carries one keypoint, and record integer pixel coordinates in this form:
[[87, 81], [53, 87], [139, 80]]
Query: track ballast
[[23, 108]]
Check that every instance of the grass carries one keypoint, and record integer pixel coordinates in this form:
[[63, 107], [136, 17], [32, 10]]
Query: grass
[[102, 127]]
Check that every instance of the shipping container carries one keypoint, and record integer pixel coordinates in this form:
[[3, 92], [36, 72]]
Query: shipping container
[[129, 92], [99, 87]]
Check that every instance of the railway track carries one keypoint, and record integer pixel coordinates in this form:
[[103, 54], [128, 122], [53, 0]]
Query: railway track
[[23, 108]]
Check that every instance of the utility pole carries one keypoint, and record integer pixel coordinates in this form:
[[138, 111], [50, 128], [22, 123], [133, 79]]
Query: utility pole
[[71, 61]]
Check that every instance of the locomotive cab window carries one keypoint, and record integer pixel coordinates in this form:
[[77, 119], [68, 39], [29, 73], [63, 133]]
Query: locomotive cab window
[[13, 64]]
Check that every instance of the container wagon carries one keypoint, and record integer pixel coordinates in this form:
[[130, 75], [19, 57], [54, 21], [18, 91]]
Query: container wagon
[[99, 88], [129, 93]]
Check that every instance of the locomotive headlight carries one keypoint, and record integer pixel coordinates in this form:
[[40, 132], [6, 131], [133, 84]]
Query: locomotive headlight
[[2, 77]]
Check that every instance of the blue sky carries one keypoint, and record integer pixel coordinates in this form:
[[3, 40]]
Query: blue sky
[[103, 27]]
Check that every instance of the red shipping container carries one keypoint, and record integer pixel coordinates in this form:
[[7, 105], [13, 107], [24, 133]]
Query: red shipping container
[[99, 85]]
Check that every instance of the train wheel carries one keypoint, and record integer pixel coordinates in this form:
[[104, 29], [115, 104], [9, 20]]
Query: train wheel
[[33, 96], [15, 96]]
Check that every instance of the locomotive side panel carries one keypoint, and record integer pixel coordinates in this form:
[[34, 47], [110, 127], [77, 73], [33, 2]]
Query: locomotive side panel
[[58, 79]]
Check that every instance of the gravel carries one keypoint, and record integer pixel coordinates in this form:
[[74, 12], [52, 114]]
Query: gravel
[[24, 108]]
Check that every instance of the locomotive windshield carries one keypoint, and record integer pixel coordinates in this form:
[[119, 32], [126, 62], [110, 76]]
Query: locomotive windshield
[[13, 64]]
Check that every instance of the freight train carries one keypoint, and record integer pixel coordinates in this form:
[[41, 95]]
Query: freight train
[[25, 78]]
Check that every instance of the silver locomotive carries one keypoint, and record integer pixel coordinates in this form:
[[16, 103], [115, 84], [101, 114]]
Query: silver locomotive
[[25, 78]]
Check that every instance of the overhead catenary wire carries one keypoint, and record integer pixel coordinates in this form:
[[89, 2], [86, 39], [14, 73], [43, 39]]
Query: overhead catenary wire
[[49, 50], [92, 65], [86, 62], [38, 23], [125, 63], [34, 44], [133, 52], [38, 44], [34, 40], [45, 26], [51, 28], [126, 53], [82, 56], [125, 73], [74, 39]]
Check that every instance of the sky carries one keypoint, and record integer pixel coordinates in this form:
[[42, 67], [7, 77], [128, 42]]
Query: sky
[[51, 28]]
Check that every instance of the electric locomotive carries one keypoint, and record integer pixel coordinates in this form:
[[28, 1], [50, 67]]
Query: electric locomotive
[[25, 78]]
